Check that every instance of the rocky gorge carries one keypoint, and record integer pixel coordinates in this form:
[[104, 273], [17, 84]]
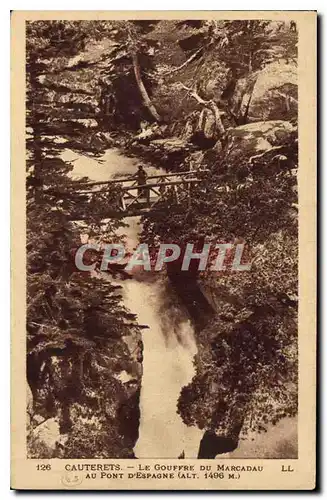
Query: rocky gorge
[[166, 364]]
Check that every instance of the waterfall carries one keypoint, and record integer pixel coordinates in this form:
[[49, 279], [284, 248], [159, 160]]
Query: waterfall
[[167, 367], [169, 342], [169, 347]]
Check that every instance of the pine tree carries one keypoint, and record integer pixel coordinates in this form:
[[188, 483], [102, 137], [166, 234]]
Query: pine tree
[[75, 322]]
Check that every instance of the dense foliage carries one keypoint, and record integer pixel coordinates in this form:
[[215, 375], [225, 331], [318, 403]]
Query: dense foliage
[[75, 321], [246, 367], [218, 97]]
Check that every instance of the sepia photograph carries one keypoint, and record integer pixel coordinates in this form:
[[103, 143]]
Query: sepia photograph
[[162, 245], [203, 116]]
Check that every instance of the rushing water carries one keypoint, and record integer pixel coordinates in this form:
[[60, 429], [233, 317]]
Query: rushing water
[[169, 344], [167, 366]]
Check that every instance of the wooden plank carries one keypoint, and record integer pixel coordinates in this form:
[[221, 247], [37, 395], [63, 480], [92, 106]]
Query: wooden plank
[[130, 179], [149, 185], [142, 186]]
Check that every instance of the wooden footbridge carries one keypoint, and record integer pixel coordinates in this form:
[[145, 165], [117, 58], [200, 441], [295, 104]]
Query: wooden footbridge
[[138, 199]]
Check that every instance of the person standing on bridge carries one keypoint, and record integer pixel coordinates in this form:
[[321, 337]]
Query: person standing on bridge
[[141, 178]]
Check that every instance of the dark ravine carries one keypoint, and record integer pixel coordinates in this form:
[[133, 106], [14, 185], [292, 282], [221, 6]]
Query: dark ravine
[[128, 417], [191, 295], [187, 288], [212, 445]]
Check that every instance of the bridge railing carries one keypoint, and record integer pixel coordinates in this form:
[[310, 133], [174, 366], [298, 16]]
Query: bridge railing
[[159, 190], [145, 196], [133, 179]]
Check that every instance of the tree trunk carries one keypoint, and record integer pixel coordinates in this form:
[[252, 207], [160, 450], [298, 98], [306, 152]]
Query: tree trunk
[[220, 129], [142, 89]]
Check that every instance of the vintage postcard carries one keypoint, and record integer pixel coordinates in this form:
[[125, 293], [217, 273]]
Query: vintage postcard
[[163, 250]]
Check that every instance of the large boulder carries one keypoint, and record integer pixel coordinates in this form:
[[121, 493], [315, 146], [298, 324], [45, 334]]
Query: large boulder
[[253, 139], [48, 433], [269, 94], [170, 145], [274, 93], [207, 123], [201, 128], [150, 132]]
